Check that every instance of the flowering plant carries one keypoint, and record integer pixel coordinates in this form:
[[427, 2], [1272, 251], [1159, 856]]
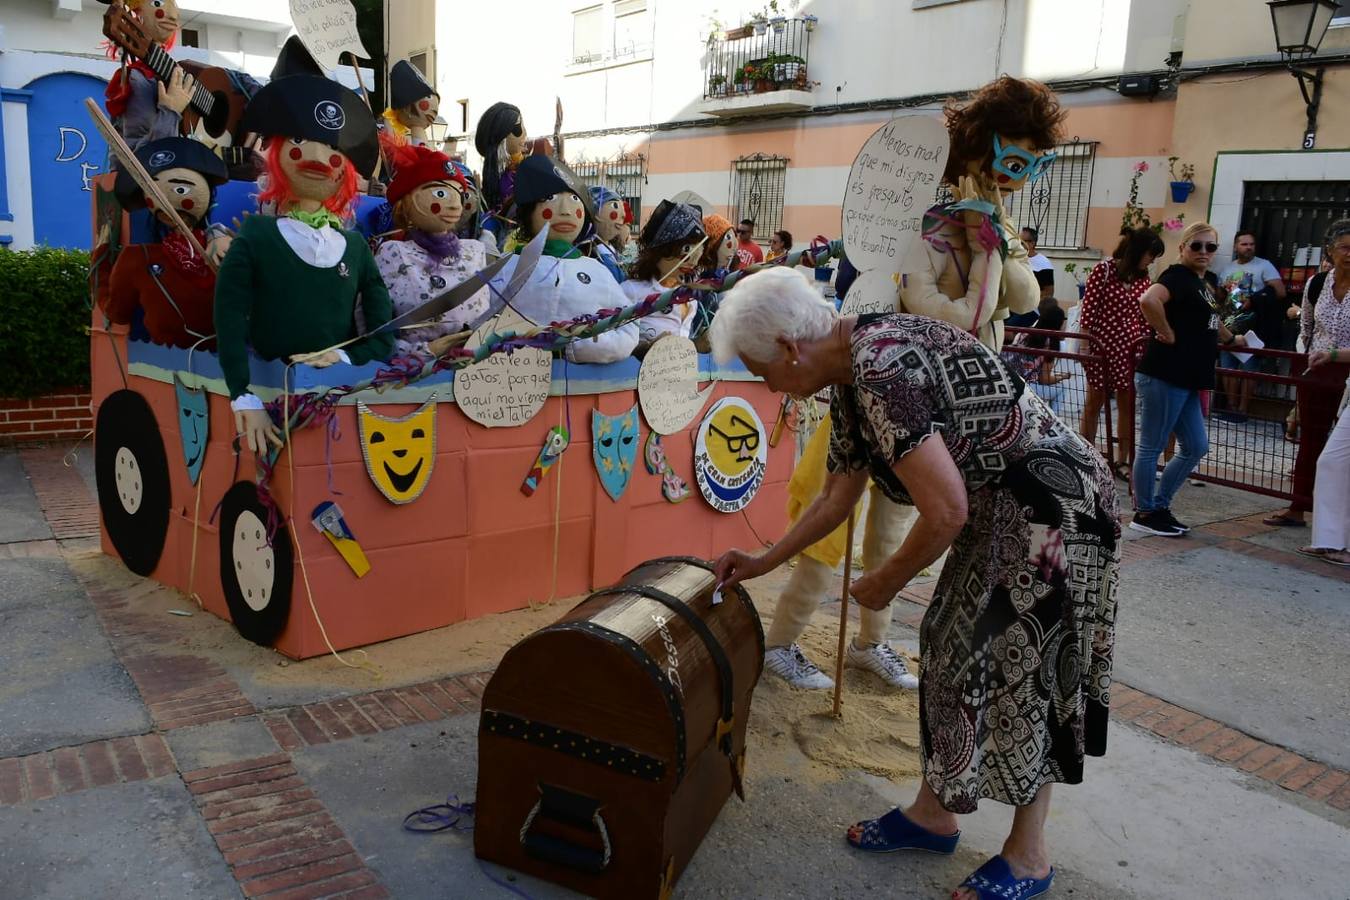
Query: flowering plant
[[1135, 216]]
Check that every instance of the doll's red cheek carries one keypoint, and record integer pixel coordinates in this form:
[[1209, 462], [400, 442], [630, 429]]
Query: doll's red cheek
[[159, 14], [423, 105], [614, 215], [335, 161], [188, 204], [435, 208], [578, 214], [296, 153], [548, 214]]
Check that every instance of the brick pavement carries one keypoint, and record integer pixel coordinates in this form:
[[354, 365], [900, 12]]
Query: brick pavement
[[275, 833]]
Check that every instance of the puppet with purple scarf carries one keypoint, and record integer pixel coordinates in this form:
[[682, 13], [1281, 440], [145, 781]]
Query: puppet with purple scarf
[[426, 258]]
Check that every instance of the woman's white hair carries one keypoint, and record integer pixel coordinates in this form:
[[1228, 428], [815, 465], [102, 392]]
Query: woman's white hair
[[763, 307]]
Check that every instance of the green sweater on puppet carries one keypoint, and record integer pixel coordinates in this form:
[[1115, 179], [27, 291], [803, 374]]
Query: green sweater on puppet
[[270, 299]]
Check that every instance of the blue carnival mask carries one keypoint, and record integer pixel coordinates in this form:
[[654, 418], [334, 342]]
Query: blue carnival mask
[[1016, 163], [614, 446], [193, 425]]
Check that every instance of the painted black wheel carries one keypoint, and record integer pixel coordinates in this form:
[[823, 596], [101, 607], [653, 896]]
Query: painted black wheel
[[255, 573], [132, 474]]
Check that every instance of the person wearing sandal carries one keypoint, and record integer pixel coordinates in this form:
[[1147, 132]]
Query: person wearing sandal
[[1019, 636], [1326, 335], [1331, 495]]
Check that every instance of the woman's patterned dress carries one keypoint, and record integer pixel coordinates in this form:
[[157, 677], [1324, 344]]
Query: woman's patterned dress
[[1017, 644]]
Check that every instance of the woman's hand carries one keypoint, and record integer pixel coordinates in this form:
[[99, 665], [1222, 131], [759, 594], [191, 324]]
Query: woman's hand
[[1318, 358], [736, 566], [875, 590]]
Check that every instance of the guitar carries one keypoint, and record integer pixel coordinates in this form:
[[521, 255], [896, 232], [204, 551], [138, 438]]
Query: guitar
[[216, 107]]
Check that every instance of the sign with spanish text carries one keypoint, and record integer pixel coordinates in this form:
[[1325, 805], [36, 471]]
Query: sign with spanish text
[[328, 30]]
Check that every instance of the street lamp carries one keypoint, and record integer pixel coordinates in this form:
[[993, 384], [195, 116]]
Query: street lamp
[[1300, 26]]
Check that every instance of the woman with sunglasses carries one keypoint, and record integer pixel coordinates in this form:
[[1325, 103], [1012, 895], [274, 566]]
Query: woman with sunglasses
[[1178, 365], [1017, 643], [780, 245]]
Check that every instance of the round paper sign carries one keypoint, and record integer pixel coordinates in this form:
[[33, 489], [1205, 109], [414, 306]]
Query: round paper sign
[[877, 291], [890, 186], [731, 452], [668, 384], [506, 389]]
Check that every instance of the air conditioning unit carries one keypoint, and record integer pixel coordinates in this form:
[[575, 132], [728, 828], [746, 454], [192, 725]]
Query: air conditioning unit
[[1139, 85]]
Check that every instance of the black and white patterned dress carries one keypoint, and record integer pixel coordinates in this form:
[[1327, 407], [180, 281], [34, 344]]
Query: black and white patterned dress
[[1017, 643]]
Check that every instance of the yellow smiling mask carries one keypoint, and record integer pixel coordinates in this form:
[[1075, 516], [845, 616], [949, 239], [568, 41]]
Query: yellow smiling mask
[[399, 453]]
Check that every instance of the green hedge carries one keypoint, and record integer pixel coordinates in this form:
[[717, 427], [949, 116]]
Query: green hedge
[[44, 320]]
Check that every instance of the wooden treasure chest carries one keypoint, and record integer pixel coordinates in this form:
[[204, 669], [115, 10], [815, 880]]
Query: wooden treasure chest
[[610, 740]]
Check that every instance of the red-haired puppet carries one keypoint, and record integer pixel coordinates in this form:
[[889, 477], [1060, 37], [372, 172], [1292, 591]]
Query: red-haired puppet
[[426, 257], [289, 285], [168, 280]]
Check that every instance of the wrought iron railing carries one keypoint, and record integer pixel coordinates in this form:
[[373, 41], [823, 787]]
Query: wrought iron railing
[[750, 61], [624, 175], [758, 188], [1056, 204]]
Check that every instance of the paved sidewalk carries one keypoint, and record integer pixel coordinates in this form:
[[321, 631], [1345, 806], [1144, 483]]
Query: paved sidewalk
[[145, 754]]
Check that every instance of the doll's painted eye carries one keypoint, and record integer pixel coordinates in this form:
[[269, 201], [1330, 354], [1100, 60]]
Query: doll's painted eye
[[1016, 166], [440, 193], [686, 249], [182, 190], [297, 141]]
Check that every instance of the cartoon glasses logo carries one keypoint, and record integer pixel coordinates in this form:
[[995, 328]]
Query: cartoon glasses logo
[[161, 158], [329, 115]]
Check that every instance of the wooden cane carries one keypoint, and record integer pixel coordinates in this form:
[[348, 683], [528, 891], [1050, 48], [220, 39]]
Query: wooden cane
[[843, 617], [143, 178], [365, 95]]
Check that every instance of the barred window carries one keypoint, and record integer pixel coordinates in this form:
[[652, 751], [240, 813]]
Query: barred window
[[1056, 204], [758, 184]]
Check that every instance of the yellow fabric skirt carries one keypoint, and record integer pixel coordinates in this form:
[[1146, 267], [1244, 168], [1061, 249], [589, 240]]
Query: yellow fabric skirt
[[807, 481]]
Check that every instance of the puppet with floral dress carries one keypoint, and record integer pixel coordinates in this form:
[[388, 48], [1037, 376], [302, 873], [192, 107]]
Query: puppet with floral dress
[[425, 257], [978, 270], [289, 286]]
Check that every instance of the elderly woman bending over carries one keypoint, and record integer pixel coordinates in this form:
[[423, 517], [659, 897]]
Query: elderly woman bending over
[[1016, 647]]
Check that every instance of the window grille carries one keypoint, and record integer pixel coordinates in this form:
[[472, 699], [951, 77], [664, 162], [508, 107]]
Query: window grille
[[1056, 204], [758, 185]]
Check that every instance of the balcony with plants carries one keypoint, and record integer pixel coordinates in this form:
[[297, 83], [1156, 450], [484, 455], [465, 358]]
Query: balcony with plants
[[760, 67]]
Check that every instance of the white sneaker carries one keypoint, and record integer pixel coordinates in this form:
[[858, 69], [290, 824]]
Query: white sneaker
[[882, 660], [791, 665]]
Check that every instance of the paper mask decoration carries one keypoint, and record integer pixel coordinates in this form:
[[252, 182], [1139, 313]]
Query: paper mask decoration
[[667, 384], [673, 487], [615, 449], [506, 389], [730, 455], [399, 453], [193, 425], [328, 521], [557, 441], [890, 186]]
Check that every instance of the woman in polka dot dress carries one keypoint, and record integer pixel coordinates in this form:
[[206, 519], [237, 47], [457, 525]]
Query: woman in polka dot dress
[[1111, 315]]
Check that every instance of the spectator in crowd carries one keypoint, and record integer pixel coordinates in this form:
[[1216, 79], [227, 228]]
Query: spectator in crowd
[[780, 244], [1042, 268], [747, 251], [1178, 364], [1111, 314], [1326, 335], [1257, 305], [1331, 494], [1037, 369]]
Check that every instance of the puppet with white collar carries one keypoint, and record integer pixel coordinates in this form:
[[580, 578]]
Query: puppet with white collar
[[565, 284], [425, 257], [669, 249], [168, 280], [289, 285], [977, 269]]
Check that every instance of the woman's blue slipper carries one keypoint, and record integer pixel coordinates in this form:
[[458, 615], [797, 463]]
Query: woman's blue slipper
[[894, 831], [994, 881]]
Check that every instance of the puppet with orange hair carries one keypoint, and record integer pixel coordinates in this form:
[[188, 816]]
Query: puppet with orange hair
[[289, 286]]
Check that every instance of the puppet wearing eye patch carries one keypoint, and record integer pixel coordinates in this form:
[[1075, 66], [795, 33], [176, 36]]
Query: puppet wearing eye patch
[[977, 268], [426, 258], [670, 247], [168, 280]]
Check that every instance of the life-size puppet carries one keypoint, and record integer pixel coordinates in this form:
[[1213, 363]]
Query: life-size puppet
[[169, 280], [977, 268], [610, 226], [289, 285], [719, 254], [669, 249], [414, 104], [565, 284], [500, 140], [142, 107], [425, 257]]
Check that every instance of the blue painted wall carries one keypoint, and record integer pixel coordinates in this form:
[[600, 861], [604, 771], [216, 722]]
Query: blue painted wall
[[65, 152]]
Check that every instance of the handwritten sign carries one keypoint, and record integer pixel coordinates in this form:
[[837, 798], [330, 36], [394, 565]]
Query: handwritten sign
[[890, 187], [328, 29], [504, 390], [877, 291], [668, 384]]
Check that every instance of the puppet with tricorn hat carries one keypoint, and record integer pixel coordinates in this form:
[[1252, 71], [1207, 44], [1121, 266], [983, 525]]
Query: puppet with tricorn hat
[[289, 285]]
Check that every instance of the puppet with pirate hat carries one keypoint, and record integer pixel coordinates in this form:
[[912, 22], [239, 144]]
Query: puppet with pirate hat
[[168, 280], [565, 284], [670, 246], [289, 285], [414, 105]]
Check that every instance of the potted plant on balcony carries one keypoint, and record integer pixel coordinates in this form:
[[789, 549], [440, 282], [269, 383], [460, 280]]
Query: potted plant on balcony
[[790, 68], [759, 22], [1183, 179], [1078, 277], [810, 21], [717, 85], [779, 24]]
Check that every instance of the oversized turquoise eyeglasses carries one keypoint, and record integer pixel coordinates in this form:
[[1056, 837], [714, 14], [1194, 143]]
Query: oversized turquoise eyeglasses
[[1016, 163]]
